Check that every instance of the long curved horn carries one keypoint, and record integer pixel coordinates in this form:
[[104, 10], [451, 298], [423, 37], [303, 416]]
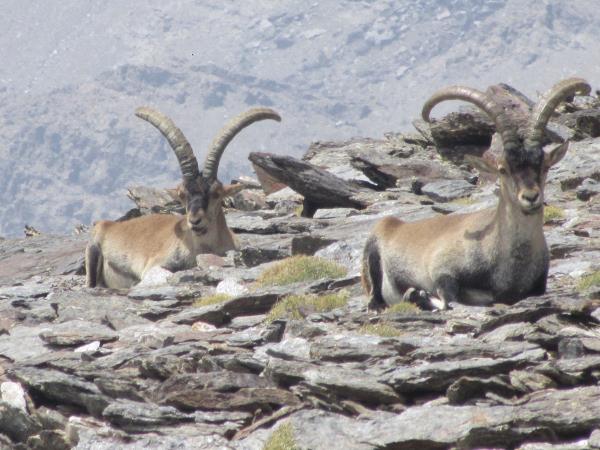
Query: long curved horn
[[177, 141], [228, 132], [547, 104], [508, 133]]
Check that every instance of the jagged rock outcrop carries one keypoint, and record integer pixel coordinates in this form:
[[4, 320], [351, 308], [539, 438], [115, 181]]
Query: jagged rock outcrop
[[150, 368]]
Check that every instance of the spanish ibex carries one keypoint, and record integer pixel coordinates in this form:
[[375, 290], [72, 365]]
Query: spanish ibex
[[494, 255], [121, 253]]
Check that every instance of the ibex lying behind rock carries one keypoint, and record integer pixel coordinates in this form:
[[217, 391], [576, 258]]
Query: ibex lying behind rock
[[494, 255], [121, 253]]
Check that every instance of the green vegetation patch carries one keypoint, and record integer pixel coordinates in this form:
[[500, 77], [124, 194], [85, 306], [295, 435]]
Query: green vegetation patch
[[282, 438], [382, 329], [403, 308], [589, 281], [552, 213], [300, 268], [299, 306], [212, 299], [463, 201]]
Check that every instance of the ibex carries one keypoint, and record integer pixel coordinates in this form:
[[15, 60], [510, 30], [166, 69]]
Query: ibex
[[494, 255], [121, 253]]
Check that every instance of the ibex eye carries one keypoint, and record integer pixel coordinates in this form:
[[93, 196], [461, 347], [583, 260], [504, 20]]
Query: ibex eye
[[502, 170]]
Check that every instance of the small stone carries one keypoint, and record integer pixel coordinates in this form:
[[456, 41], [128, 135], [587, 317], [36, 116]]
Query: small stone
[[91, 347], [594, 441], [203, 327], [587, 189], [14, 395], [156, 276], [231, 287]]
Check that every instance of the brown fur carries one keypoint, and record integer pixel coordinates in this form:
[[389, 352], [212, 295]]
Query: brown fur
[[497, 254], [120, 253]]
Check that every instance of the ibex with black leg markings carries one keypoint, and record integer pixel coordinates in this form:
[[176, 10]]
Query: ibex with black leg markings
[[494, 255], [121, 253]]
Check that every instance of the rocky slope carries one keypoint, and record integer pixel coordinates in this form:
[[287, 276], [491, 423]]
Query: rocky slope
[[148, 368], [73, 73]]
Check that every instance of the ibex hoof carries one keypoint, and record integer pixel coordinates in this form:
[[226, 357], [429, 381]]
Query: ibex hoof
[[376, 306]]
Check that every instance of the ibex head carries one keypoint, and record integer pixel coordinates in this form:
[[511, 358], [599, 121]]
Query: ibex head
[[523, 166], [200, 191]]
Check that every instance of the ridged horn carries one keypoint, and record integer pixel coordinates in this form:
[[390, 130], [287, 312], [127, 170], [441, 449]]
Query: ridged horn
[[177, 141], [547, 104], [510, 138], [228, 132]]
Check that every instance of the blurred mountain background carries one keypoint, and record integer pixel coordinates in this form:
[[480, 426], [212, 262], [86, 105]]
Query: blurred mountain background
[[73, 72]]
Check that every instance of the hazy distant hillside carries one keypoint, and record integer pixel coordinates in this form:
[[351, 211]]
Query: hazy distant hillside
[[72, 73]]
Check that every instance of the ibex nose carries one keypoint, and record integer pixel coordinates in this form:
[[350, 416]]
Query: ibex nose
[[530, 199], [195, 220], [530, 196]]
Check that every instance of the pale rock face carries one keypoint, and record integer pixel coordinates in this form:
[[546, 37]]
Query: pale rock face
[[156, 276], [232, 287], [13, 394], [91, 347]]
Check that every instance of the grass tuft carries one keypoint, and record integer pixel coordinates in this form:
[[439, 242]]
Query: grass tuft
[[297, 307], [463, 201], [403, 308], [212, 299], [552, 213], [382, 329], [282, 439], [299, 268], [589, 281]]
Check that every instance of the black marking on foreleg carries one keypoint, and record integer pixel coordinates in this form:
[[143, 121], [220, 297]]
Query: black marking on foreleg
[[93, 265], [539, 286], [372, 259]]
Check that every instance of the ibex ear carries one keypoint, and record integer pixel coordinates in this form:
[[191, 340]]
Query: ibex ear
[[555, 155], [177, 194], [232, 189], [481, 164]]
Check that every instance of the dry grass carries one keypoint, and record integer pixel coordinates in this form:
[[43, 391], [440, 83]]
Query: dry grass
[[553, 213], [589, 281], [297, 307], [382, 329], [212, 299], [299, 268], [463, 201], [282, 439], [403, 308]]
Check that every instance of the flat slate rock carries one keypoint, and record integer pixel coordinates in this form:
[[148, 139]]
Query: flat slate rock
[[447, 190], [78, 332], [437, 376]]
